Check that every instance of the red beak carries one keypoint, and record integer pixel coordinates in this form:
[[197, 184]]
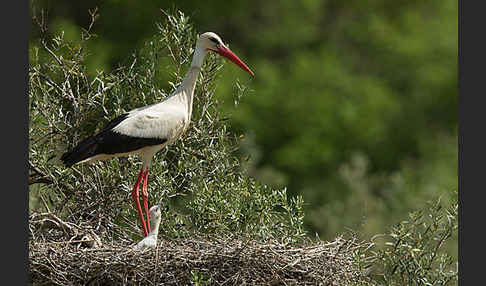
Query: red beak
[[227, 53]]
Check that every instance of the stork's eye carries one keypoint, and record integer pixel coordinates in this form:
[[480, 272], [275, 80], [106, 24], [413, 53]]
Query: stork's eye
[[214, 40]]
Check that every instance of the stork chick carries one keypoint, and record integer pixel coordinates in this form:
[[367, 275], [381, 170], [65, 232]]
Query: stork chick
[[150, 241]]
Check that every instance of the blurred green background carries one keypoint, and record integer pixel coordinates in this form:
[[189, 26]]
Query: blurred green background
[[353, 103]]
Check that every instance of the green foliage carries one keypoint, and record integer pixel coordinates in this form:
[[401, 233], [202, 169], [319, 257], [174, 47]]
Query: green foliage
[[200, 279], [198, 179], [353, 108], [414, 251], [381, 198], [334, 80]]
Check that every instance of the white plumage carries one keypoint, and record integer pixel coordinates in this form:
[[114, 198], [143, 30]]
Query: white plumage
[[150, 241]]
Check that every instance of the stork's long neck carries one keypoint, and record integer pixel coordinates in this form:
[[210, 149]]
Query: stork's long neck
[[154, 227], [189, 83]]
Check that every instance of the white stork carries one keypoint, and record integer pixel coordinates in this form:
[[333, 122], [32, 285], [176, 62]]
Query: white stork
[[146, 130]]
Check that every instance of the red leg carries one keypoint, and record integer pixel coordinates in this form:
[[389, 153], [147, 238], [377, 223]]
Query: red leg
[[137, 202], [145, 197]]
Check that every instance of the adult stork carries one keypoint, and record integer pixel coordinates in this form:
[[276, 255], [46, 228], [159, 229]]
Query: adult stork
[[146, 130]]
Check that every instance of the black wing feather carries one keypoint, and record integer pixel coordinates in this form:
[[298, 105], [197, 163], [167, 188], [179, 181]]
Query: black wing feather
[[108, 142]]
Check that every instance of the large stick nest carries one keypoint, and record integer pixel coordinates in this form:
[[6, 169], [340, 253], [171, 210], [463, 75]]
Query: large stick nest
[[68, 254]]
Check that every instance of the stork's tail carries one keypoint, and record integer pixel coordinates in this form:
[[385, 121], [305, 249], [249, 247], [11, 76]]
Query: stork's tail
[[84, 150], [93, 145]]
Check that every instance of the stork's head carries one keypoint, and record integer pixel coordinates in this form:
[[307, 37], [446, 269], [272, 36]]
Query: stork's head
[[209, 41]]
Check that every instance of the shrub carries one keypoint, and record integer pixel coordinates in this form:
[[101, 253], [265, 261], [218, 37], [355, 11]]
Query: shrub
[[198, 179], [415, 251]]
